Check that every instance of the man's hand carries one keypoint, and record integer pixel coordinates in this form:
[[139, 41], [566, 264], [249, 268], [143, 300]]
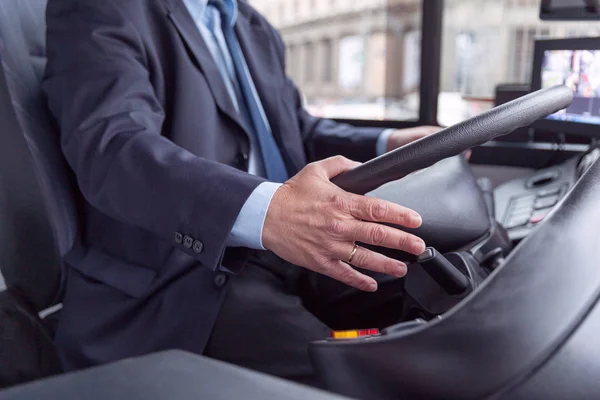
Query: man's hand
[[404, 136], [314, 224]]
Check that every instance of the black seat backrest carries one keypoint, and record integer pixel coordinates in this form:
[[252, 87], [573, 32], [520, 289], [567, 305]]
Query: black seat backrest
[[27, 350], [38, 219]]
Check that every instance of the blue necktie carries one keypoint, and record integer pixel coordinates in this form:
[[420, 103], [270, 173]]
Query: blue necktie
[[273, 161]]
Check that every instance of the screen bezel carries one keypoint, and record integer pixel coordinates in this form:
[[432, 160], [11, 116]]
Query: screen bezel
[[577, 13], [575, 128]]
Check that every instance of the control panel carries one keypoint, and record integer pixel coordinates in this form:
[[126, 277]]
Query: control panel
[[523, 203], [531, 209]]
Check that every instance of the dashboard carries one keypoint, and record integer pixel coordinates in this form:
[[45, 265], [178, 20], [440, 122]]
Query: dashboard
[[523, 203]]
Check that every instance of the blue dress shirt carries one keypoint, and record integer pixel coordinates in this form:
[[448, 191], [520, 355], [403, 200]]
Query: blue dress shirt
[[247, 230]]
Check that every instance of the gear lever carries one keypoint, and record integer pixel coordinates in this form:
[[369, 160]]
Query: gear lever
[[443, 272]]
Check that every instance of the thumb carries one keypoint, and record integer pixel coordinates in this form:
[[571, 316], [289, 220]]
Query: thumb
[[334, 166]]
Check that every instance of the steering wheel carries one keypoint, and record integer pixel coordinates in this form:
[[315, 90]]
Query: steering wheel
[[447, 196], [454, 140], [528, 332]]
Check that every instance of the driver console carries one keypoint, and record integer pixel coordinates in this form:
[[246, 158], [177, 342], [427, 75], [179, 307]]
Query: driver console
[[528, 332], [520, 328], [523, 203]]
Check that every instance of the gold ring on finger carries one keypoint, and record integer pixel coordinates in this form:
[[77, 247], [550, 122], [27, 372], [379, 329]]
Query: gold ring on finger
[[353, 253]]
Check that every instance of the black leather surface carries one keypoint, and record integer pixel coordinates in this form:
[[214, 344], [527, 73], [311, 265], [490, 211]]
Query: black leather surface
[[454, 140], [449, 200], [572, 373], [172, 375], [504, 332], [26, 348], [37, 206]]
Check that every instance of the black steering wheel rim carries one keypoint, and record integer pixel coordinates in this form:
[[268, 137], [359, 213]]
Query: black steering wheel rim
[[454, 140]]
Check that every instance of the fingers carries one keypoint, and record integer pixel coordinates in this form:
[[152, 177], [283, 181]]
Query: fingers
[[334, 166], [385, 236], [367, 259], [344, 273], [376, 210]]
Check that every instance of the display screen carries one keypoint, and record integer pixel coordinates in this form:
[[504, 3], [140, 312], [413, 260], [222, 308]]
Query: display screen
[[579, 70]]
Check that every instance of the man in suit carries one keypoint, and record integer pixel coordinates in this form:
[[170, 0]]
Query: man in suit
[[190, 147]]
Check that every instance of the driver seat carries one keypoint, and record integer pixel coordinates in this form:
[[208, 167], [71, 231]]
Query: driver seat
[[38, 200]]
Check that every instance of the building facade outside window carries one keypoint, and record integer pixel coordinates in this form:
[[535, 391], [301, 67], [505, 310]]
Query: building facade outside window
[[361, 59], [327, 49], [352, 59]]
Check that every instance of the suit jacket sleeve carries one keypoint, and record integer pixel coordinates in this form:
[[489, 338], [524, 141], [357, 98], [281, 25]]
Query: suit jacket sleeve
[[99, 91], [324, 137]]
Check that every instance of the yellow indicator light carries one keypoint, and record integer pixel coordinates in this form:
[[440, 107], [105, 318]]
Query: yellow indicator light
[[344, 334], [353, 334]]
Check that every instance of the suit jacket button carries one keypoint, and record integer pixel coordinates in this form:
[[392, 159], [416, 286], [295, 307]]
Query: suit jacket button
[[220, 280], [178, 238], [198, 246], [188, 242]]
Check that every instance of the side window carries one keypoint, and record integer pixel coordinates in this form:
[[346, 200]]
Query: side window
[[470, 71], [352, 59]]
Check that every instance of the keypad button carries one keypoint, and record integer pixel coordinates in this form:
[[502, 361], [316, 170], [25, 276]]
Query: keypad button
[[545, 202], [516, 222], [549, 191]]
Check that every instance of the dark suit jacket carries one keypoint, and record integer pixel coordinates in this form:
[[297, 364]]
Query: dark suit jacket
[[160, 157]]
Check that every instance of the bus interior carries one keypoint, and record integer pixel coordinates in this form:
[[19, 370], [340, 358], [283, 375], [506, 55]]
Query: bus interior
[[504, 304]]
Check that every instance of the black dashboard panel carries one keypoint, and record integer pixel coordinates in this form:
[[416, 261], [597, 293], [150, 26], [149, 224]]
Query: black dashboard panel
[[173, 375]]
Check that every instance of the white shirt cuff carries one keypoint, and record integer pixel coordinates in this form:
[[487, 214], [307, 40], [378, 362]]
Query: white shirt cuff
[[382, 141], [247, 230]]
